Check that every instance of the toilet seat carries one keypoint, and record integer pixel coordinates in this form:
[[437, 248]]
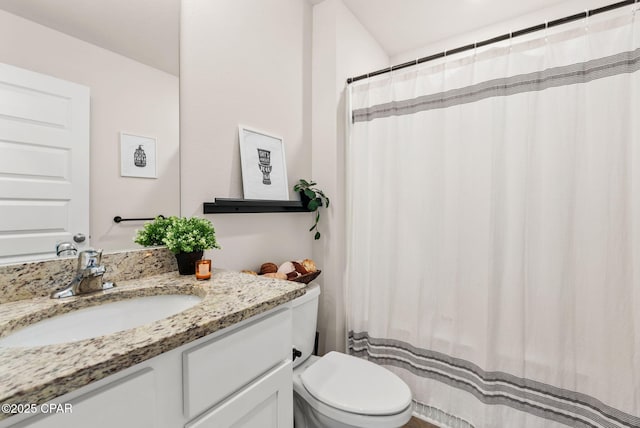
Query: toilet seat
[[354, 385], [346, 417]]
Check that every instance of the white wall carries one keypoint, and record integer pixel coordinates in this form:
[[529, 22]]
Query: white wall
[[342, 48], [245, 62], [125, 96], [560, 10]]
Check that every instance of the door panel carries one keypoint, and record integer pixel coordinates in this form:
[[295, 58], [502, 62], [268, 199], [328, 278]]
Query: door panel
[[44, 163]]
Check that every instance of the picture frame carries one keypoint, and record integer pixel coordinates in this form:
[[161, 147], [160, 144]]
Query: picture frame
[[138, 157], [264, 167]]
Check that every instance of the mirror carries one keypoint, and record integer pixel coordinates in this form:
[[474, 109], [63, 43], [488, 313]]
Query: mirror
[[126, 53]]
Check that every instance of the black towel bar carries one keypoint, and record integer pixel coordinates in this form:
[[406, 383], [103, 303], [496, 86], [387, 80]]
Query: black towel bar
[[118, 219]]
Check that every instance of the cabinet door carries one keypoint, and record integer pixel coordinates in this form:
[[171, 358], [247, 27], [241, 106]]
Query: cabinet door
[[218, 368], [265, 403], [128, 402]]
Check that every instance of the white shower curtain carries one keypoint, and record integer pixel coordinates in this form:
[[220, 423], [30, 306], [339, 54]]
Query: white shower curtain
[[493, 229]]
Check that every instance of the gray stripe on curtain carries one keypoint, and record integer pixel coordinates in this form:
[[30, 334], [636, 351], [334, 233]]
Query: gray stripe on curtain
[[561, 405], [583, 72]]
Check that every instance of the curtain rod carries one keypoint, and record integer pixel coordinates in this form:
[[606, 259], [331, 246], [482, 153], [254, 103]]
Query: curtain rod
[[507, 36]]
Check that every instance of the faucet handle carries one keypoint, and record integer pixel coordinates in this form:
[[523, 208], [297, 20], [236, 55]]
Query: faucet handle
[[89, 258], [94, 271]]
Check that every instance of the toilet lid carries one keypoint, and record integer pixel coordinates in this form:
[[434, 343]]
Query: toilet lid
[[356, 385]]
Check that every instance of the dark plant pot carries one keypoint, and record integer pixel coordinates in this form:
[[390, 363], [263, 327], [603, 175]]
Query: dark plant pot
[[304, 199], [187, 262]]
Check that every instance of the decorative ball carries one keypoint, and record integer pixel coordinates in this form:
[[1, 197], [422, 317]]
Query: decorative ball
[[277, 275], [309, 265], [299, 268], [268, 268]]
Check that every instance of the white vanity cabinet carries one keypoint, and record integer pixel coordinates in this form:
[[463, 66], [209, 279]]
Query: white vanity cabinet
[[217, 367], [265, 403], [240, 376], [108, 406]]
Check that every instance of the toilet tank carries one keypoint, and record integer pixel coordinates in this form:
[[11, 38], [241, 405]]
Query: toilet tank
[[305, 316]]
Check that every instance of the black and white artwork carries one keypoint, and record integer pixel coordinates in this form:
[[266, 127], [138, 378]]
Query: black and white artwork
[[137, 156], [264, 170]]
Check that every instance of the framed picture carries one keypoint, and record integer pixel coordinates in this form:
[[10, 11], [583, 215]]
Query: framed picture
[[137, 156], [264, 170]]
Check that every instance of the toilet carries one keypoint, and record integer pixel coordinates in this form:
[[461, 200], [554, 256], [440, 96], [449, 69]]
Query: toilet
[[339, 390]]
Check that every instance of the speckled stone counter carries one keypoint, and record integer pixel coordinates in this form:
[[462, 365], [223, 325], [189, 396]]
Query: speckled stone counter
[[39, 374], [38, 279]]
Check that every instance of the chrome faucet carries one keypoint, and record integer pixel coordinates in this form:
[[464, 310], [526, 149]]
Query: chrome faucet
[[88, 277]]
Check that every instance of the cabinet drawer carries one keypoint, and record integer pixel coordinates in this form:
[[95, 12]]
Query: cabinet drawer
[[265, 403], [216, 369]]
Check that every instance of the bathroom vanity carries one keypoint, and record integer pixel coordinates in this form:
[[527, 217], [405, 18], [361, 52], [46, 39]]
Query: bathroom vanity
[[224, 362]]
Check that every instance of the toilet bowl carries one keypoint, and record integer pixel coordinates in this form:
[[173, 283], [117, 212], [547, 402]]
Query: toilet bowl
[[339, 390]]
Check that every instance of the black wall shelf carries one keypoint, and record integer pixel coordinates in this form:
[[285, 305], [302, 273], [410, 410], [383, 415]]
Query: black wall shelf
[[230, 206]]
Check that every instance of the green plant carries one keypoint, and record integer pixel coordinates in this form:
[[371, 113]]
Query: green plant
[[179, 234], [153, 232], [314, 199]]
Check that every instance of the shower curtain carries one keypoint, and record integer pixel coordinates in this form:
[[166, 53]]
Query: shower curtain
[[493, 229]]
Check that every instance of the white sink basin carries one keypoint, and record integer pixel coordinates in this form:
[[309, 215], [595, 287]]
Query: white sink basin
[[100, 320]]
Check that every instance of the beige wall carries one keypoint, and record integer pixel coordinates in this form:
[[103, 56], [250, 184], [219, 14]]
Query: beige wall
[[251, 63], [125, 96], [245, 62], [566, 8], [342, 48]]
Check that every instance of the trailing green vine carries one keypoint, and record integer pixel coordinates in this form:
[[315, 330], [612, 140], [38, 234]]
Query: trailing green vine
[[314, 198]]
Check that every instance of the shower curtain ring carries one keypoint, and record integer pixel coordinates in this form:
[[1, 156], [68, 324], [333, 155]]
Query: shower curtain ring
[[546, 31], [586, 20]]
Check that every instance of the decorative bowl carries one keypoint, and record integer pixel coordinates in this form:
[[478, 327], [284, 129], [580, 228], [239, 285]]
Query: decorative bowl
[[308, 277]]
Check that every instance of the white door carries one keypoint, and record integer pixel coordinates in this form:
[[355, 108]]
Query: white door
[[44, 164]]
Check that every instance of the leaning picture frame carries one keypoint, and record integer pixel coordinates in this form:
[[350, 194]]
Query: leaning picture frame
[[264, 168]]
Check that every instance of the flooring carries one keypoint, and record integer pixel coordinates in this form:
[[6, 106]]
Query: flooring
[[417, 423]]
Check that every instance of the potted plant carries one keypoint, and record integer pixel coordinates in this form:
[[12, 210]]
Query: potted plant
[[153, 233], [313, 198], [187, 238]]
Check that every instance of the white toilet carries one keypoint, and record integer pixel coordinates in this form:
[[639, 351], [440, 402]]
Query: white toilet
[[338, 390]]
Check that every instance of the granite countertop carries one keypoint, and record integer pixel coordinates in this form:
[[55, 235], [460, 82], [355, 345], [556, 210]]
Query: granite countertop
[[40, 374]]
